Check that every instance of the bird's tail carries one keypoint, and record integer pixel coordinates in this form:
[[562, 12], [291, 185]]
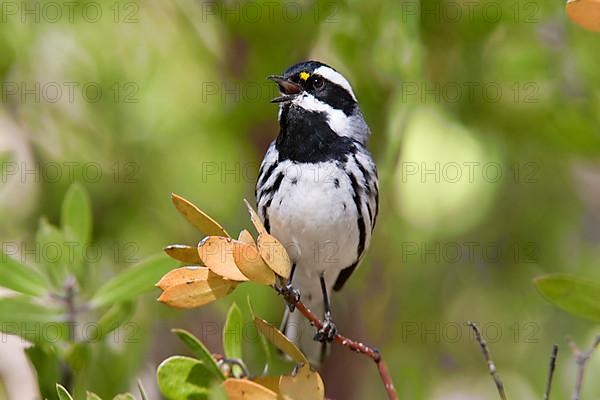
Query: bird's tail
[[297, 328]]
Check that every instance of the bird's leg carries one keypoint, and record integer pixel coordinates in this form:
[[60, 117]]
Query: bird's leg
[[291, 294], [329, 330]]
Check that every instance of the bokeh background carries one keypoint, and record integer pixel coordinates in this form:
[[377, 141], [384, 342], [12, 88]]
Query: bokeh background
[[485, 128]]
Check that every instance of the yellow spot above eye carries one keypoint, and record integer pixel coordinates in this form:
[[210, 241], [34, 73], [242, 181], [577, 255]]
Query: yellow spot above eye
[[304, 75]]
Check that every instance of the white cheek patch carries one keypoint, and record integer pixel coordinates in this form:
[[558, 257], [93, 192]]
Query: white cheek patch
[[336, 119], [335, 77]]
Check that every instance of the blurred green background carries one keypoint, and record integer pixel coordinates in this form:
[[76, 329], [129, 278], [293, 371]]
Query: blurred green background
[[485, 128]]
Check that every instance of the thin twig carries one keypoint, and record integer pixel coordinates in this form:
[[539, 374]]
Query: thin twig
[[488, 358], [581, 359], [352, 345], [551, 371]]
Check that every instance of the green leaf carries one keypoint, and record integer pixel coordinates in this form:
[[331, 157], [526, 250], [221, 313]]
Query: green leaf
[[52, 251], [124, 396], [92, 396], [31, 321], [133, 281], [217, 392], [200, 351], [78, 356], [20, 278], [47, 366], [232, 336], [577, 296], [62, 392], [266, 349], [114, 317], [76, 215], [184, 378]]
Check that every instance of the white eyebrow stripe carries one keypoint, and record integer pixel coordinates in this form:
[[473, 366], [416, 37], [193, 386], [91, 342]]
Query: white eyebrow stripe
[[336, 78]]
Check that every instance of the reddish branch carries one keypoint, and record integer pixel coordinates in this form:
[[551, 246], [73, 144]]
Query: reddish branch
[[354, 346]]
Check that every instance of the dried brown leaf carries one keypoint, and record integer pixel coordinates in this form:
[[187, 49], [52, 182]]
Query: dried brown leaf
[[244, 389], [271, 382], [217, 254], [249, 261], [183, 253], [260, 228], [280, 341], [190, 287], [197, 217], [585, 13], [275, 255], [306, 384], [246, 237]]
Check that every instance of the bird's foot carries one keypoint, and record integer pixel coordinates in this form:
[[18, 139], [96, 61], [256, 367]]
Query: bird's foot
[[327, 332], [291, 295]]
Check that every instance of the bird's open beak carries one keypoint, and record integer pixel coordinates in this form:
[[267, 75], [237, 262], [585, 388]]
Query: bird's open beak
[[288, 89]]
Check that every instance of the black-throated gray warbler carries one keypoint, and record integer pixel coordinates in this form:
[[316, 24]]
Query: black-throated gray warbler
[[317, 191]]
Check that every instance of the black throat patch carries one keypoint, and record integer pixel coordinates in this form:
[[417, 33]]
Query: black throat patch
[[305, 136]]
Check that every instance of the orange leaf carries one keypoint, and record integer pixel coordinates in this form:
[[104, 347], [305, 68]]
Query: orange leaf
[[585, 13], [183, 253], [275, 255], [246, 237], [248, 260], [197, 217], [217, 254], [244, 389], [260, 228], [189, 287]]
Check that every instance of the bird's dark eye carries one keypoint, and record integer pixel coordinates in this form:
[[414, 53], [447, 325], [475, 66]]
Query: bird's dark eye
[[318, 82]]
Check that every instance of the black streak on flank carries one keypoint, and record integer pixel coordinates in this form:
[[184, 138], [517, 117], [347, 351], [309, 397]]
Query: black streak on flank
[[294, 181], [336, 183], [275, 187], [360, 220]]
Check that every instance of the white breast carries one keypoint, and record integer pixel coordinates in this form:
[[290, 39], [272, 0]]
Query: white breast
[[314, 215]]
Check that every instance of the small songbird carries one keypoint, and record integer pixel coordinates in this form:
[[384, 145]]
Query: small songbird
[[317, 192]]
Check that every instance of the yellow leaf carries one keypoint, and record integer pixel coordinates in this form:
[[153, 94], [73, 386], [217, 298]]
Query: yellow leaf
[[306, 384], [190, 287], [183, 253], [248, 260], [284, 344], [197, 217], [271, 382], [260, 228], [217, 254], [585, 13], [244, 389], [246, 237], [275, 255]]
